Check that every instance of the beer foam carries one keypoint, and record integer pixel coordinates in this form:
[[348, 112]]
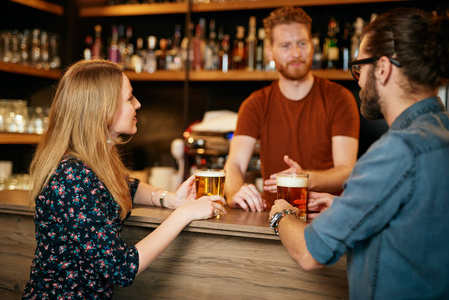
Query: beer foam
[[292, 181], [210, 173]]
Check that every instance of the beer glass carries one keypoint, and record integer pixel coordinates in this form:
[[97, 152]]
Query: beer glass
[[292, 187], [210, 182]]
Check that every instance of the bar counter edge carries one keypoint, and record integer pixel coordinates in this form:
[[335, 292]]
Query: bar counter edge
[[233, 257]]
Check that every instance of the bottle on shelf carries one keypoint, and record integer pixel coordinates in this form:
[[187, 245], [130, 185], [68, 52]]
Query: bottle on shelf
[[44, 57], [251, 44], [317, 59], [55, 58], [24, 47], [345, 47], [88, 43], [239, 52], [198, 46], [225, 53], [161, 55], [174, 62], [129, 49], [97, 47], [35, 47], [138, 58], [211, 57], [330, 49], [356, 38], [113, 49], [261, 56], [150, 61]]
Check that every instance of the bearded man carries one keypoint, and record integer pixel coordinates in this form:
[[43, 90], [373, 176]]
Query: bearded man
[[299, 117]]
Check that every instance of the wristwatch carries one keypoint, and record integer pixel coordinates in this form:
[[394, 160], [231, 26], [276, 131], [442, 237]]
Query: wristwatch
[[276, 218]]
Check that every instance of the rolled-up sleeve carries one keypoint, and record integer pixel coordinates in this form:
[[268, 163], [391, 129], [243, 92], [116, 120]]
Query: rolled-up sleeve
[[374, 192]]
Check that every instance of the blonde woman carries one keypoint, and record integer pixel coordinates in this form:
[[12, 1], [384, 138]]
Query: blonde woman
[[82, 192]]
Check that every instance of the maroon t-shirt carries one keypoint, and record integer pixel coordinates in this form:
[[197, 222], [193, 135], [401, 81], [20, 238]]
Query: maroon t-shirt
[[301, 129]]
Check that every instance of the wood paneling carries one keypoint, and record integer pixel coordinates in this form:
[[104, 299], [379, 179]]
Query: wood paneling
[[234, 257]]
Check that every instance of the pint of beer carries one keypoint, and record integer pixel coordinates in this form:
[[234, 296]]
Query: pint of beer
[[209, 182], [292, 187]]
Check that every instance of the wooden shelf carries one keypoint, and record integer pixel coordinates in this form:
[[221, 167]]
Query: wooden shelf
[[134, 10], [42, 5], [27, 70], [7, 138], [177, 8], [157, 76], [231, 75]]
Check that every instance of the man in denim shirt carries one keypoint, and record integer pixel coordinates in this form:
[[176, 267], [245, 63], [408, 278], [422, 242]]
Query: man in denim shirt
[[393, 216]]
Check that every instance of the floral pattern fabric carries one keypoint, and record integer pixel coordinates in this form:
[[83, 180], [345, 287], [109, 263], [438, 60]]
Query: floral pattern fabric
[[80, 253]]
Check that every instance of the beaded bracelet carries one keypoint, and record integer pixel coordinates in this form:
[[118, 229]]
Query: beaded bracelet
[[276, 218]]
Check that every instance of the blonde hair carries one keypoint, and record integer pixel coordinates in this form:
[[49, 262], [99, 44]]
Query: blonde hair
[[81, 114]]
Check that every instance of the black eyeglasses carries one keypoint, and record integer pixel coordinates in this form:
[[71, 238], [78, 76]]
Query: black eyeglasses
[[355, 65]]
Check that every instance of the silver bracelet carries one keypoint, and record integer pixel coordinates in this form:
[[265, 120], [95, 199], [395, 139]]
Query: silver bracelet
[[152, 195], [162, 198]]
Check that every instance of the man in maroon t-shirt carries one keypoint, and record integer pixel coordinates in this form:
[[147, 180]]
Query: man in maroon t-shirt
[[300, 117]]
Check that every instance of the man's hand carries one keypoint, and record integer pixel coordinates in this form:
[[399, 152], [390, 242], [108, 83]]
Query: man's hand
[[249, 199], [270, 184], [318, 202]]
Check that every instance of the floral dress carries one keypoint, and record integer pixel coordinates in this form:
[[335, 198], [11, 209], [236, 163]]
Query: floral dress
[[80, 253]]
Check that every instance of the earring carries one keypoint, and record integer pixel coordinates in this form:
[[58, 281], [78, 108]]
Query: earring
[[109, 141]]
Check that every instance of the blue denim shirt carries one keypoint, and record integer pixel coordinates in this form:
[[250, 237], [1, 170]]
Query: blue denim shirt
[[393, 216]]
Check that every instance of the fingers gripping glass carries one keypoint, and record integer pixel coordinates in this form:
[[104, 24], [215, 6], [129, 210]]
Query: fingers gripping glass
[[355, 65]]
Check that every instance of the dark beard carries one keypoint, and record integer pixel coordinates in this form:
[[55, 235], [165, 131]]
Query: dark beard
[[369, 95], [297, 75]]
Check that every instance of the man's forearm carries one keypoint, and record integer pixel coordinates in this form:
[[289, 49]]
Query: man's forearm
[[330, 180], [234, 181]]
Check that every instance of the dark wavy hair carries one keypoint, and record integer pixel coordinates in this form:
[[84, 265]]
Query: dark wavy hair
[[417, 40]]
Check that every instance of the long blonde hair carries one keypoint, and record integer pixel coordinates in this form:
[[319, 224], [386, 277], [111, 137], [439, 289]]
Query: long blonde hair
[[81, 114]]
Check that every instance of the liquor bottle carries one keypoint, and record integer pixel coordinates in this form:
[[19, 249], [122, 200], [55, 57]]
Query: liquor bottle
[[251, 45], [224, 53], [129, 50], [137, 59], [356, 38], [261, 56], [239, 50], [113, 50], [330, 49], [198, 46], [97, 47], [161, 56], [317, 59], [55, 58], [174, 62], [88, 43], [345, 47], [211, 58], [150, 61]]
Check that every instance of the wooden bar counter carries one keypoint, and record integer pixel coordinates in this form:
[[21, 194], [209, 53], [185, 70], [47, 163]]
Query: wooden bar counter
[[235, 257]]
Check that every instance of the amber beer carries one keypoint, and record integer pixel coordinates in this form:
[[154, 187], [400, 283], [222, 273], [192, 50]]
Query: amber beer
[[293, 188], [209, 182]]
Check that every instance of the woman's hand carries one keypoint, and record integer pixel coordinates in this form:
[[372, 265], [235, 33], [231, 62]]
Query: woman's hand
[[318, 202], [185, 193], [204, 208]]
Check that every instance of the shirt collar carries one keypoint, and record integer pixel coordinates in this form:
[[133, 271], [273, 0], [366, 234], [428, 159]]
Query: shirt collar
[[431, 104]]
